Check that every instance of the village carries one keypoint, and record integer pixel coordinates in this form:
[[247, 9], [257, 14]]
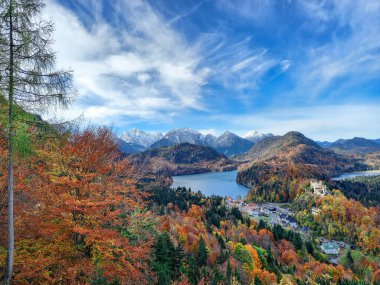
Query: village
[[281, 213]]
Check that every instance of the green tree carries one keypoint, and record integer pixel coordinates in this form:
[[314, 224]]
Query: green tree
[[257, 281], [28, 78], [349, 259], [202, 253], [193, 270], [228, 272], [164, 256], [261, 225]]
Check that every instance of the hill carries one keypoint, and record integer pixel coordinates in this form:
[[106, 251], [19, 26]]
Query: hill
[[355, 146], [184, 158], [279, 166]]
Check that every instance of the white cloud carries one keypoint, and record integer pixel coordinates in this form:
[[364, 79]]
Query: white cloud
[[146, 69], [140, 68]]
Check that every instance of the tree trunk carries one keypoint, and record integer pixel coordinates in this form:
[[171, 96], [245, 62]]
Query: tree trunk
[[11, 237]]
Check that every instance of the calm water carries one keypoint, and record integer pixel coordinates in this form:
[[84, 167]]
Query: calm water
[[213, 183], [358, 173]]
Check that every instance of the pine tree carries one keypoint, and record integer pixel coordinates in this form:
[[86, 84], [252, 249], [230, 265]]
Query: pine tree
[[193, 270], [163, 265], [261, 225], [178, 256], [257, 281], [202, 253], [228, 272], [350, 260], [27, 78]]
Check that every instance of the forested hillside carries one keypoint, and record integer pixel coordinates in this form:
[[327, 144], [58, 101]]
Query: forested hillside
[[184, 158], [281, 165]]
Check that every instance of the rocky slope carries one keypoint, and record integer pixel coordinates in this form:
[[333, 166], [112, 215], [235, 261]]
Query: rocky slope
[[181, 159]]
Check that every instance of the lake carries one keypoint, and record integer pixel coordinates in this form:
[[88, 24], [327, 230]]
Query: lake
[[212, 183], [358, 173]]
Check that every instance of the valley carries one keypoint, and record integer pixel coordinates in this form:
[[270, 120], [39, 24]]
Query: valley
[[189, 142]]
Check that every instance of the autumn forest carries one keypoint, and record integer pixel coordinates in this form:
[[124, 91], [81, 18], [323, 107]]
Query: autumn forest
[[75, 208]]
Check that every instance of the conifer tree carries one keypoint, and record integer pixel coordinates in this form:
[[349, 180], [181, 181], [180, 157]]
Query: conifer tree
[[28, 78], [228, 272], [202, 253]]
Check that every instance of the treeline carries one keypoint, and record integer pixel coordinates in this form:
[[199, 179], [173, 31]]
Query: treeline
[[365, 189]]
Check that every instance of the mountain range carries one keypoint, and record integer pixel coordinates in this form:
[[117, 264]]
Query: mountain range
[[356, 145], [228, 143]]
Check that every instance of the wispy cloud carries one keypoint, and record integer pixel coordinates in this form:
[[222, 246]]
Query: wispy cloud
[[352, 53], [140, 68], [237, 63]]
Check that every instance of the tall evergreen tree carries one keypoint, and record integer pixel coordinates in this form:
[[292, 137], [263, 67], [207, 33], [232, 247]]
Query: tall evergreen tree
[[350, 260], [193, 270], [257, 280], [27, 78], [261, 225], [229, 272], [202, 253]]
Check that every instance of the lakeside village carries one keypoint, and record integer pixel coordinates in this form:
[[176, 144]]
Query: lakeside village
[[280, 213]]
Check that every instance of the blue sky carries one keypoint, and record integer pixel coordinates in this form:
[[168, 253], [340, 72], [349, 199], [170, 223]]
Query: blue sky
[[266, 65]]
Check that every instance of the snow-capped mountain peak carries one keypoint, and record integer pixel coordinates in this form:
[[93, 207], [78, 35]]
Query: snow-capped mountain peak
[[140, 137], [255, 136]]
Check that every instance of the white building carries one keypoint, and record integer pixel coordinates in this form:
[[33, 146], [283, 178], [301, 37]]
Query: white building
[[330, 247]]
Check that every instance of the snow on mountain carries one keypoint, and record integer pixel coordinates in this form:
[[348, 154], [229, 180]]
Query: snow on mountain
[[140, 137], [255, 136], [177, 136]]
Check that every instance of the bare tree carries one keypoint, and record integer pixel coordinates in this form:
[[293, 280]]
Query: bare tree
[[28, 78]]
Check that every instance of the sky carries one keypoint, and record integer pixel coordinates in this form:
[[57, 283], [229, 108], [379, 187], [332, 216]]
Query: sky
[[269, 65]]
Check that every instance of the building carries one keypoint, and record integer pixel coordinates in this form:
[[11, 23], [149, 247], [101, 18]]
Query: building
[[314, 210], [330, 247], [319, 188]]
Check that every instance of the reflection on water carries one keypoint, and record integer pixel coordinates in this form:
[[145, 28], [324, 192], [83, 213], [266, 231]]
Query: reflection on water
[[213, 183]]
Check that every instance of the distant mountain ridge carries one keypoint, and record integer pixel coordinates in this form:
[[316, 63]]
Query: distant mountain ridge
[[355, 145], [180, 159], [140, 137], [177, 136], [255, 136], [228, 143]]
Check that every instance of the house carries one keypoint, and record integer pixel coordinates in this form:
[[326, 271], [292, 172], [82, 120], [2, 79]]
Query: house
[[330, 247]]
